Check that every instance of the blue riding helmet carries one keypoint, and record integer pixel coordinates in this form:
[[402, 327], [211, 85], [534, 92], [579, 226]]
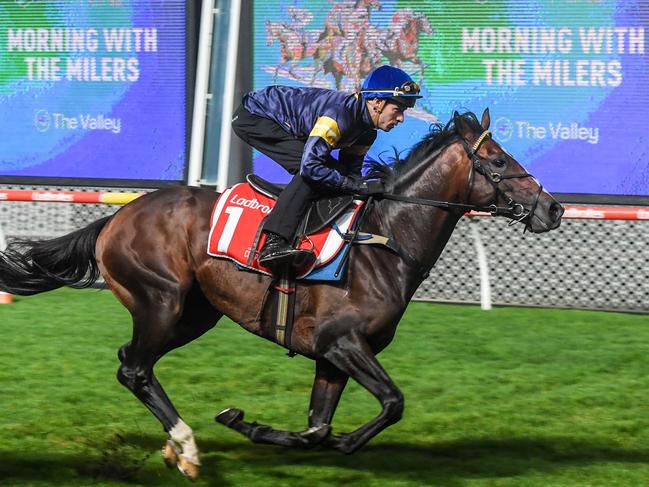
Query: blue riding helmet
[[391, 83]]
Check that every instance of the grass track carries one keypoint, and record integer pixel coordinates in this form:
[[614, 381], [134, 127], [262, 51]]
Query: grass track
[[510, 397]]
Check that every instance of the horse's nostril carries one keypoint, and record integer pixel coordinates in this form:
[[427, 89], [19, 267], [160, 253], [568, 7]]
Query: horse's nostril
[[555, 211]]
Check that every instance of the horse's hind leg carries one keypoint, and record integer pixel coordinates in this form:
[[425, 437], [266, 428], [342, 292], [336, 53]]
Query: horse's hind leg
[[327, 388], [158, 328]]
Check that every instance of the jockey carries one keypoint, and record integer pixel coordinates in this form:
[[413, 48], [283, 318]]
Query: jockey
[[298, 127]]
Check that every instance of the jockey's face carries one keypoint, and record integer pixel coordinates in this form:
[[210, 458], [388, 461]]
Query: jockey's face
[[385, 114]]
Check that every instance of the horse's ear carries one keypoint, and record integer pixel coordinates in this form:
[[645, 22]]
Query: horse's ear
[[461, 126], [486, 119], [456, 118]]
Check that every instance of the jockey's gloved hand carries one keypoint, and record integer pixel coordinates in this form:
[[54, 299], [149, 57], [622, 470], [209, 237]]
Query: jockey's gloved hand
[[363, 187], [370, 187], [382, 172]]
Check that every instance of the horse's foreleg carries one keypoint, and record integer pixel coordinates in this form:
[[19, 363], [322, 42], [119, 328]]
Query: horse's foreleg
[[353, 356], [261, 433], [422, 68], [276, 73], [316, 70], [291, 70]]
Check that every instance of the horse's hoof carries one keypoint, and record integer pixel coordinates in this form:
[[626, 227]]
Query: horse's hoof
[[173, 458], [340, 443], [170, 454], [188, 468], [229, 416], [317, 434]]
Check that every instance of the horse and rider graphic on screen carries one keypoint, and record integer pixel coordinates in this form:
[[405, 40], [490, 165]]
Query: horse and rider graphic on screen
[[347, 45]]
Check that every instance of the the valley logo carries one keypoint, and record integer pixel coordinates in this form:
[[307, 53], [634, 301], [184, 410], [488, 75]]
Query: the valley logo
[[505, 129], [44, 121]]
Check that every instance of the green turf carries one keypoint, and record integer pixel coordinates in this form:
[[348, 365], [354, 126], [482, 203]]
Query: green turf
[[510, 397]]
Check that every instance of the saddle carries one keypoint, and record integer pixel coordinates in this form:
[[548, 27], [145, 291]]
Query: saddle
[[321, 213], [236, 228]]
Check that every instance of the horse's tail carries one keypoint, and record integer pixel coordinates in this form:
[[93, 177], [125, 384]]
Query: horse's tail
[[35, 266]]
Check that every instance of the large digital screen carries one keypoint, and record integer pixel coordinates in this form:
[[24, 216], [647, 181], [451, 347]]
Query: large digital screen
[[566, 81], [93, 89]]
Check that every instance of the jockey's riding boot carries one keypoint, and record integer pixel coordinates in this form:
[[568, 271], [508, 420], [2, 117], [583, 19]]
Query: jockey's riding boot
[[277, 253]]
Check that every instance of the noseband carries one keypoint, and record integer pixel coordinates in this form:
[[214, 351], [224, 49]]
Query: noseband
[[516, 211]]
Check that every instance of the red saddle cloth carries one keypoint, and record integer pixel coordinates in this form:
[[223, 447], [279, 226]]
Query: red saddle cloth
[[235, 221]]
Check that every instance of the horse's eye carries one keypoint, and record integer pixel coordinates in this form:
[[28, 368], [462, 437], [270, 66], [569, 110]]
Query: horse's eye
[[500, 162]]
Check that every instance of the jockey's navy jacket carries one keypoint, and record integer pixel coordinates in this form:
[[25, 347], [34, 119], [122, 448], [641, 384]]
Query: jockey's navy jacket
[[326, 120]]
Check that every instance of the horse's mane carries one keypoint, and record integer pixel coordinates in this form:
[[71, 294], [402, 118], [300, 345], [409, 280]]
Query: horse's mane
[[438, 137]]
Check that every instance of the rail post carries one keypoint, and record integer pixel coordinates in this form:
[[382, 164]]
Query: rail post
[[5, 298], [483, 265]]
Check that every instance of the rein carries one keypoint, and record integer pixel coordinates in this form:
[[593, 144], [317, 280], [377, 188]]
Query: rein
[[447, 205], [516, 211]]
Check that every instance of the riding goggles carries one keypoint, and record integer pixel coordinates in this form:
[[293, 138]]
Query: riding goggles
[[406, 94]]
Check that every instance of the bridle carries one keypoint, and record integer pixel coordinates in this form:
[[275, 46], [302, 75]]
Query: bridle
[[516, 211]]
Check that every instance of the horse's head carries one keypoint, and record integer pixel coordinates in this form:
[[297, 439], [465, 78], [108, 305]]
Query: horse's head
[[275, 30], [423, 24], [497, 180]]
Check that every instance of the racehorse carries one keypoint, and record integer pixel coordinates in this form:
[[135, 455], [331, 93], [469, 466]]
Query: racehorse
[[347, 17], [401, 40], [152, 255], [295, 45], [348, 45]]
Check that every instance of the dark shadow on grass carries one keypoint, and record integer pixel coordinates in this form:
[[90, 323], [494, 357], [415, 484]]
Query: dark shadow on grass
[[121, 459], [444, 463], [58, 469]]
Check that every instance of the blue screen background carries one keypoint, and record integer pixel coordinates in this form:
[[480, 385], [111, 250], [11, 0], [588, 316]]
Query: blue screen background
[[150, 144]]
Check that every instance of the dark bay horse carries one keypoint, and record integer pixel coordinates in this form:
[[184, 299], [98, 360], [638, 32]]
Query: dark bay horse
[[152, 254]]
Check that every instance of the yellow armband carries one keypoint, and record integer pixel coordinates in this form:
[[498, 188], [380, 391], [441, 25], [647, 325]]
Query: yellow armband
[[327, 128]]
